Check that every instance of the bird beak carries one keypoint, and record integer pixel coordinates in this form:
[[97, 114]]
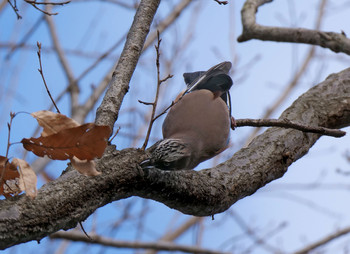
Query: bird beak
[[146, 164]]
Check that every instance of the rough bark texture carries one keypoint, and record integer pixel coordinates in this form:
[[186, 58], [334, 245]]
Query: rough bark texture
[[107, 112], [61, 204], [336, 42]]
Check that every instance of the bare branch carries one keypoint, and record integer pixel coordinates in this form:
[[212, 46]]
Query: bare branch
[[285, 123], [166, 109], [298, 74], [154, 104], [9, 125], [42, 75], [177, 232], [15, 9], [47, 3], [146, 103], [221, 2], [34, 3], [77, 236], [108, 111], [336, 42], [324, 241], [257, 240]]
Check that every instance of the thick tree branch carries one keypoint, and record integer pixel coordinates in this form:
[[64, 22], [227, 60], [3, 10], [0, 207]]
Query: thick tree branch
[[107, 113], [336, 42], [61, 204]]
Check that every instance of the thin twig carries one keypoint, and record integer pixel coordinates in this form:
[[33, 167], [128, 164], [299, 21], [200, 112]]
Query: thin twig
[[146, 103], [154, 104], [42, 75], [323, 241], [285, 123], [35, 3], [252, 233], [12, 115], [43, 11], [221, 2], [50, 3], [9, 125], [115, 134], [165, 110], [15, 9]]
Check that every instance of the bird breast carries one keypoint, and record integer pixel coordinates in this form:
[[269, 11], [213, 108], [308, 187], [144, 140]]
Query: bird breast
[[201, 120]]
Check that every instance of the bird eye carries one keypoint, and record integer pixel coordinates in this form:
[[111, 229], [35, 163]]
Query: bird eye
[[167, 164]]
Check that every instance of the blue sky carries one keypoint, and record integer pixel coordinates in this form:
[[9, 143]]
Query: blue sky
[[263, 69]]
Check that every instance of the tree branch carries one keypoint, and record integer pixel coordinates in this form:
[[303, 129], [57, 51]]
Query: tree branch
[[155, 102], [336, 42], [107, 112], [71, 198], [77, 236], [298, 74], [324, 241], [285, 123]]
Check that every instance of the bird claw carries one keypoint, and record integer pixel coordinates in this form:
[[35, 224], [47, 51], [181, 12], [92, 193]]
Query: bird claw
[[146, 164]]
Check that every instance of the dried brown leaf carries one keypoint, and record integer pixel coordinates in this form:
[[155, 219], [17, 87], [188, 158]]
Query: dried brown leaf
[[10, 181], [28, 177], [85, 167], [53, 123], [85, 142]]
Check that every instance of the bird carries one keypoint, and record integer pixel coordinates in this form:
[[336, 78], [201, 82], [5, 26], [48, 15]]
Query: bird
[[197, 126]]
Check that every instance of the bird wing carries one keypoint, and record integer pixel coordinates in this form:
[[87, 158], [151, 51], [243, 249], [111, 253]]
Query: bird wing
[[216, 79], [203, 77]]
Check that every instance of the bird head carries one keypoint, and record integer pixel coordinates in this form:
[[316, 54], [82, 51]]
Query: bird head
[[168, 154]]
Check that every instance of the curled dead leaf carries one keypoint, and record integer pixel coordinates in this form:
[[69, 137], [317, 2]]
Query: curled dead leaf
[[53, 123], [9, 178], [63, 138], [28, 178], [85, 142]]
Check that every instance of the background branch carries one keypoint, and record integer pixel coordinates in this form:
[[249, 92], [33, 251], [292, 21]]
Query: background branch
[[324, 241], [107, 113], [336, 42], [159, 246], [285, 123]]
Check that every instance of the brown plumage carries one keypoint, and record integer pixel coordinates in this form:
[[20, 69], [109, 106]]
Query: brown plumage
[[197, 127], [204, 126]]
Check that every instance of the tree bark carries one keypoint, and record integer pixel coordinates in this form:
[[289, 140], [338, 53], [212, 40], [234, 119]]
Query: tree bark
[[71, 198], [337, 42], [107, 112]]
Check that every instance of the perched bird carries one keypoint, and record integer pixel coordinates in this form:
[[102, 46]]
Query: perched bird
[[197, 126]]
